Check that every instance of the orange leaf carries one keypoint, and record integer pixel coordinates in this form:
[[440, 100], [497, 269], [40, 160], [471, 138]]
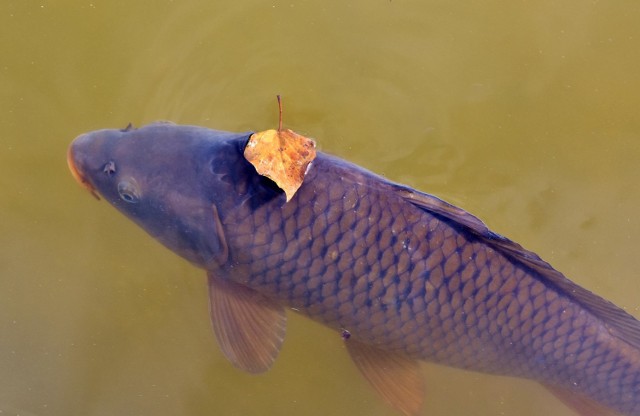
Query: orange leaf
[[281, 155]]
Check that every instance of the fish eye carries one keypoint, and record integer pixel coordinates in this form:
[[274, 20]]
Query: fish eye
[[110, 168], [128, 191]]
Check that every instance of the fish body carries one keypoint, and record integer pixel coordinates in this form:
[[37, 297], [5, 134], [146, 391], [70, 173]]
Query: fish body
[[402, 275]]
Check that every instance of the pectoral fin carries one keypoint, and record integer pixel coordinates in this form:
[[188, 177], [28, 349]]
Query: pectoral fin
[[396, 378], [249, 327]]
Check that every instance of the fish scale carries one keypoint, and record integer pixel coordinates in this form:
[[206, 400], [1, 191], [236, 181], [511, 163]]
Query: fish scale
[[403, 279], [402, 275]]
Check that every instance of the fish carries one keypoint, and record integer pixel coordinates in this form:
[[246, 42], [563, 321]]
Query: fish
[[402, 276]]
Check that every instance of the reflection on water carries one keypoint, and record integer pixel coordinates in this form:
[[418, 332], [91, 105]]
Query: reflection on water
[[524, 114]]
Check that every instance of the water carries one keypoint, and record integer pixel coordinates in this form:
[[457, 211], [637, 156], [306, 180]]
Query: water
[[523, 113]]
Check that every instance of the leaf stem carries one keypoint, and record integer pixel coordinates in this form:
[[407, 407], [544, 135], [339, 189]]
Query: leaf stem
[[280, 111]]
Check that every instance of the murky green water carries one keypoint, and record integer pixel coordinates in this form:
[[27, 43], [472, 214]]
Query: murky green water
[[524, 113]]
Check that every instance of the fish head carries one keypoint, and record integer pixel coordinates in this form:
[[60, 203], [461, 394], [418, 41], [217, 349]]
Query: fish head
[[167, 178]]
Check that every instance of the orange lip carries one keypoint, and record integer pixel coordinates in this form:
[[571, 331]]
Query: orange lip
[[78, 175]]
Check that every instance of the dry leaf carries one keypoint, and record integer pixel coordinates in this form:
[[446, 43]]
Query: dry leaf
[[281, 155]]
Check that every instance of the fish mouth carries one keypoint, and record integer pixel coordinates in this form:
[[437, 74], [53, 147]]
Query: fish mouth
[[77, 173]]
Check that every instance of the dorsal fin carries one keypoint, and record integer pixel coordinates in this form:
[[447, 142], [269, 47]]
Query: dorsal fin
[[619, 322]]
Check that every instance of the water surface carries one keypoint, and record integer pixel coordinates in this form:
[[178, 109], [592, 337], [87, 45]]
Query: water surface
[[524, 113]]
